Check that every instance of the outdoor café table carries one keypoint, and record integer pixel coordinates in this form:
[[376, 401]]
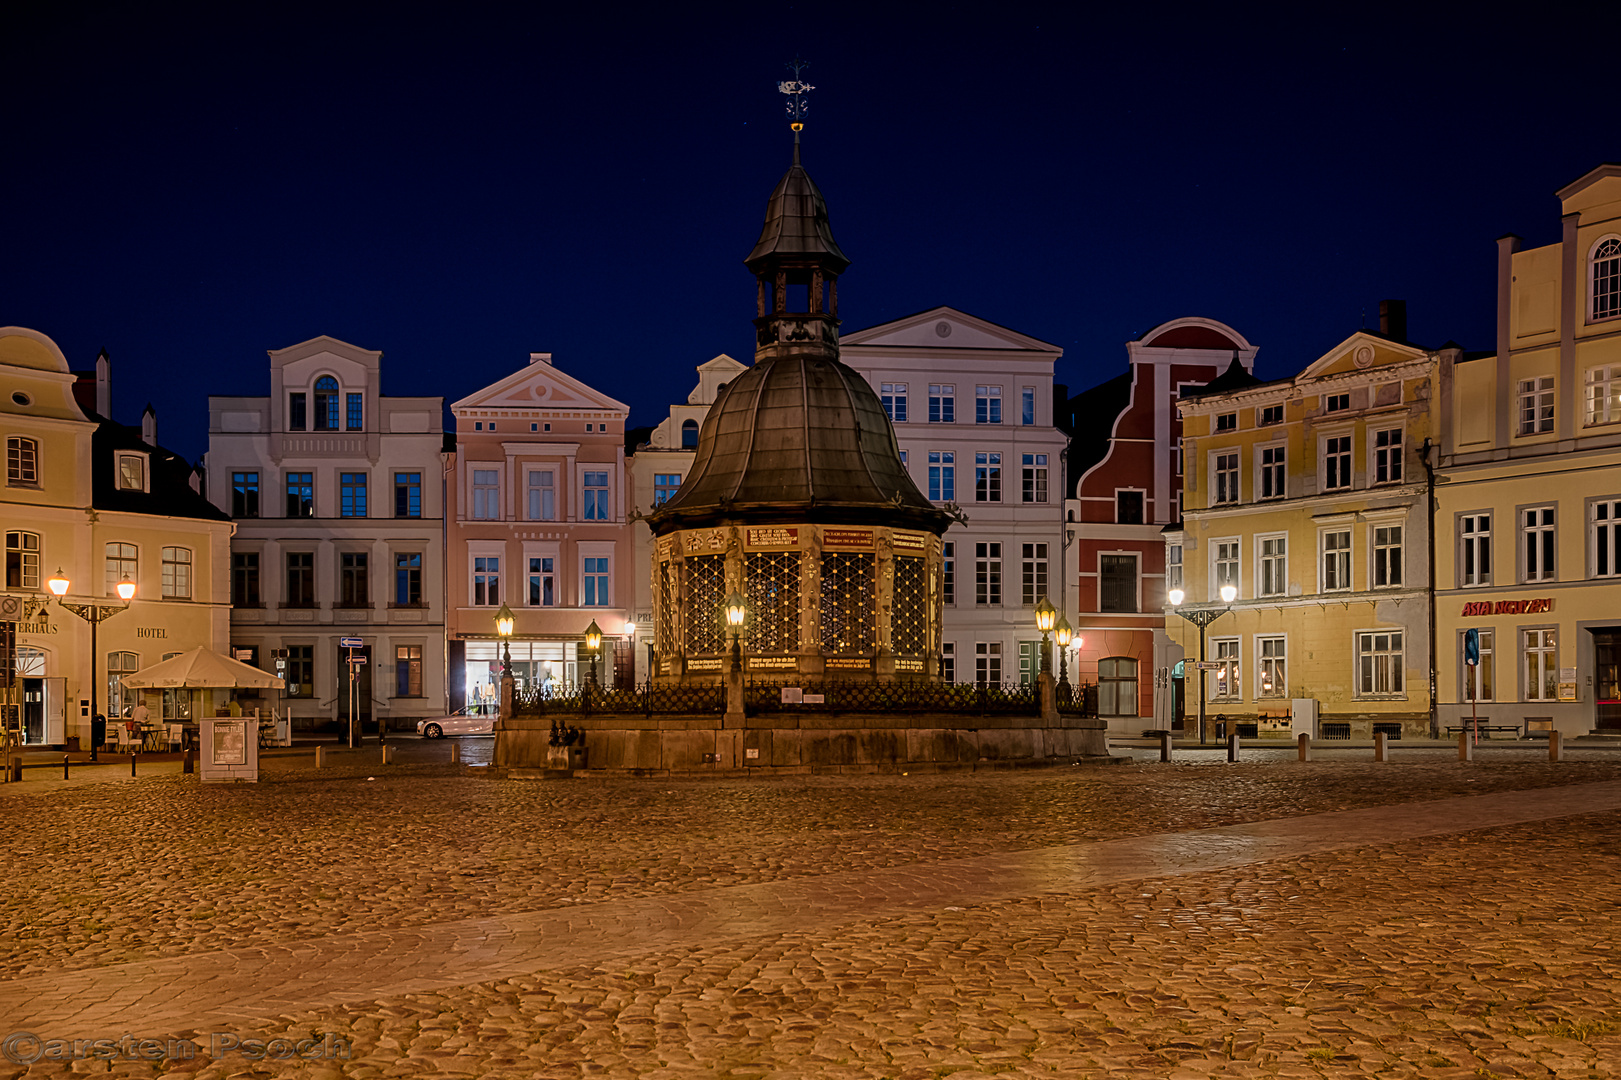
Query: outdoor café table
[[152, 737]]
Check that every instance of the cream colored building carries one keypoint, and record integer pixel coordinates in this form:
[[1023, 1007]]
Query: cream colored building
[[98, 502]]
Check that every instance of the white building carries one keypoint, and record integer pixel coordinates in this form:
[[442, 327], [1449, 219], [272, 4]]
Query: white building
[[972, 407], [337, 495]]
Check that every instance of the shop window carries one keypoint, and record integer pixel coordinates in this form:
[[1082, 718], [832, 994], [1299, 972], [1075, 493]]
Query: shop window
[[1541, 665], [119, 700], [1224, 684], [300, 677], [1480, 678]]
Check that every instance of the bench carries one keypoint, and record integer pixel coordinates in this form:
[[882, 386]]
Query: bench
[[1485, 729]]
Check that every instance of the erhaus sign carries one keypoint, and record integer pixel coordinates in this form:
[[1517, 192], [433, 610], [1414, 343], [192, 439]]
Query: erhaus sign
[[1508, 607]]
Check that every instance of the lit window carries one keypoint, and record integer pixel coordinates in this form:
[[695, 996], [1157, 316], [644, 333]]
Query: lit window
[[1537, 540], [131, 472], [1117, 686], [22, 461], [1541, 666], [177, 573], [1273, 678], [894, 399], [1226, 565], [1224, 685], [942, 403], [1173, 567], [407, 671], [987, 404], [1604, 394], [1475, 540], [1337, 560], [1478, 680], [1379, 663], [1536, 405]]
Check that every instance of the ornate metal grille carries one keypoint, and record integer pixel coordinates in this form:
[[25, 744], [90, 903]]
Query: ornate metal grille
[[847, 604], [909, 621], [664, 627], [773, 587], [706, 592]]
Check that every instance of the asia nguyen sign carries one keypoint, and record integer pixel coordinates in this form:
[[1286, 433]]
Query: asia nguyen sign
[[1508, 607]]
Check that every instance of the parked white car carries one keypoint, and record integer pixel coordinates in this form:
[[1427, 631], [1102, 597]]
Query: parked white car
[[464, 721]]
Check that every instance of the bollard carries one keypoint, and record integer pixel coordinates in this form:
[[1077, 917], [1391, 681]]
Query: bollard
[[1165, 747], [455, 752], [64, 766], [1232, 748], [320, 757], [1466, 749], [1556, 746], [188, 763], [14, 768], [132, 763], [1303, 741], [1381, 746], [388, 755]]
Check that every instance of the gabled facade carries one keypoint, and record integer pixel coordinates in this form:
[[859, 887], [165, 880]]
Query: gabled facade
[[336, 491], [1530, 490], [1307, 495], [536, 511], [1126, 455], [971, 404]]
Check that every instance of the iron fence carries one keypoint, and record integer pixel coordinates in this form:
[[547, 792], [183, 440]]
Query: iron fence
[[647, 699], [1081, 701], [1017, 699]]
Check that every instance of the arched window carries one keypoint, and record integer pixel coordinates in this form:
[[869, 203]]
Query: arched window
[[326, 403], [30, 662], [689, 435], [22, 461], [1117, 686], [1607, 278], [22, 560]]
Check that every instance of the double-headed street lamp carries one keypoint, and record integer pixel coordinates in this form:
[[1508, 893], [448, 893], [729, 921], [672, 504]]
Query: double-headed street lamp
[[92, 612], [1202, 617]]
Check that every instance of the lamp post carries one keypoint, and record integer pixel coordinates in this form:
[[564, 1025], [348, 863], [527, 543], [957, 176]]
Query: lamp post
[[92, 612], [1063, 633], [1202, 617], [503, 629], [1046, 619], [593, 642], [735, 609]]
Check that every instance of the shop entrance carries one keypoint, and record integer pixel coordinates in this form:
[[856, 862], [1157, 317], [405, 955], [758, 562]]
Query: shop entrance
[[33, 698], [1607, 679]]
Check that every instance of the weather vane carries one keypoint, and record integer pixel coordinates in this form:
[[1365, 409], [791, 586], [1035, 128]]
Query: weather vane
[[796, 88]]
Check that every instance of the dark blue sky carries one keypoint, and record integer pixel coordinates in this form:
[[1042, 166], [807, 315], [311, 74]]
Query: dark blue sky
[[191, 186]]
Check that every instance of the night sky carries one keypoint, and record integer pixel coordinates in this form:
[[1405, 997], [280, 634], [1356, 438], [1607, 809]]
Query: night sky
[[192, 186]]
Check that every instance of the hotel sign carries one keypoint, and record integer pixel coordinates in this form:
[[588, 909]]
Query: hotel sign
[[1507, 607]]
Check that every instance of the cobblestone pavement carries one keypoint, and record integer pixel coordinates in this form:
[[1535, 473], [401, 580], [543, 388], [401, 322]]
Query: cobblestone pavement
[[1483, 951]]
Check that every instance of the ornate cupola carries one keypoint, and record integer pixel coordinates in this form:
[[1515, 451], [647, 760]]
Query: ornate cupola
[[796, 265]]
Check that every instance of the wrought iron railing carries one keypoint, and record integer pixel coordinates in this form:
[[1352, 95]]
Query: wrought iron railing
[[1082, 700], [896, 697], [647, 699]]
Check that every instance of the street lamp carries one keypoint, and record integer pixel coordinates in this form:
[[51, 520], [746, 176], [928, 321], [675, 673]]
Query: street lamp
[[92, 612], [1202, 617], [1046, 618], [503, 628], [735, 608], [1062, 633], [593, 641]]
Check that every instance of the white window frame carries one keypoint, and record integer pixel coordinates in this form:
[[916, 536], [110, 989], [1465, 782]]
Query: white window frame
[[597, 549], [1174, 576], [1225, 683], [988, 659], [1539, 542], [132, 560], [892, 395], [1261, 419], [176, 584], [1280, 567], [1331, 402], [1366, 643], [1472, 672], [1380, 555], [1601, 394], [992, 470], [1271, 477], [942, 403], [543, 550], [1033, 477], [1343, 558], [992, 397], [1534, 405], [474, 487], [1027, 406], [121, 478], [1605, 249], [485, 550], [942, 484], [1344, 456], [1604, 537], [605, 504], [30, 560], [994, 583], [1386, 464], [1227, 421], [540, 481], [1271, 662], [1473, 540], [22, 461], [1539, 646], [1217, 562], [1224, 463]]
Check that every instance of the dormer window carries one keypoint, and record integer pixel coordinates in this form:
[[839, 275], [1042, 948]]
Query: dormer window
[[1336, 402], [131, 472], [326, 403], [1607, 278]]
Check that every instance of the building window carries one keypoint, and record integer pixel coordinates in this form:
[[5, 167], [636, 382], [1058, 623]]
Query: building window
[[408, 671], [22, 461], [1475, 537], [352, 494], [22, 560], [596, 582], [300, 494], [244, 494], [665, 485], [988, 663], [1034, 573], [486, 581], [543, 495], [1027, 406], [893, 395], [1604, 394], [353, 572], [1117, 583], [1128, 507], [407, 579], [300, 579], [1536, 405], [942, 403], [326, 403], [942, 475], [1274, 565], [1226, 565], [176, 582], [1226, 477], [1035, 478], [1337, 560], [407, 494], [1269, 415], [1272, 681], [987, 574], [1605, 532], [1379, 663], [1117, 686], [486, 494], [948, 661], [689, 434], [948, 572], [1478, 678], [119, 665], [1173, 567], [1336, 402], [131, 472], [1537, 539], [1178, 456], [1541, 666], [1337, 462], [300, 671], [295, 412], [1386, 556], [988, 477], [596, 496], [987, 404], [122, 565], [355, 412], [1224, 685], [1272, 462], [245, 579], [1607, 279], [1387, 456], [1227, 421], [542, 582]]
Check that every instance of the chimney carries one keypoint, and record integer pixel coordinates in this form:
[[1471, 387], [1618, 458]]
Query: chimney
[[196, 478], [1393, 319], [104, 386], [540, 358], [149, 425]]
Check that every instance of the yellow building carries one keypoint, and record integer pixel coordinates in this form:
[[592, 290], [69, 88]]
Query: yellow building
[[1530, 486], [1306, 495], [98, 502]]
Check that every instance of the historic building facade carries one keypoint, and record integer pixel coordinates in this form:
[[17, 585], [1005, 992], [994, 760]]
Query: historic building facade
[[536, 512], [1529, 497], [1127, 460], [336, 491], [971, 404], [1307, 496], [101, 503]]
